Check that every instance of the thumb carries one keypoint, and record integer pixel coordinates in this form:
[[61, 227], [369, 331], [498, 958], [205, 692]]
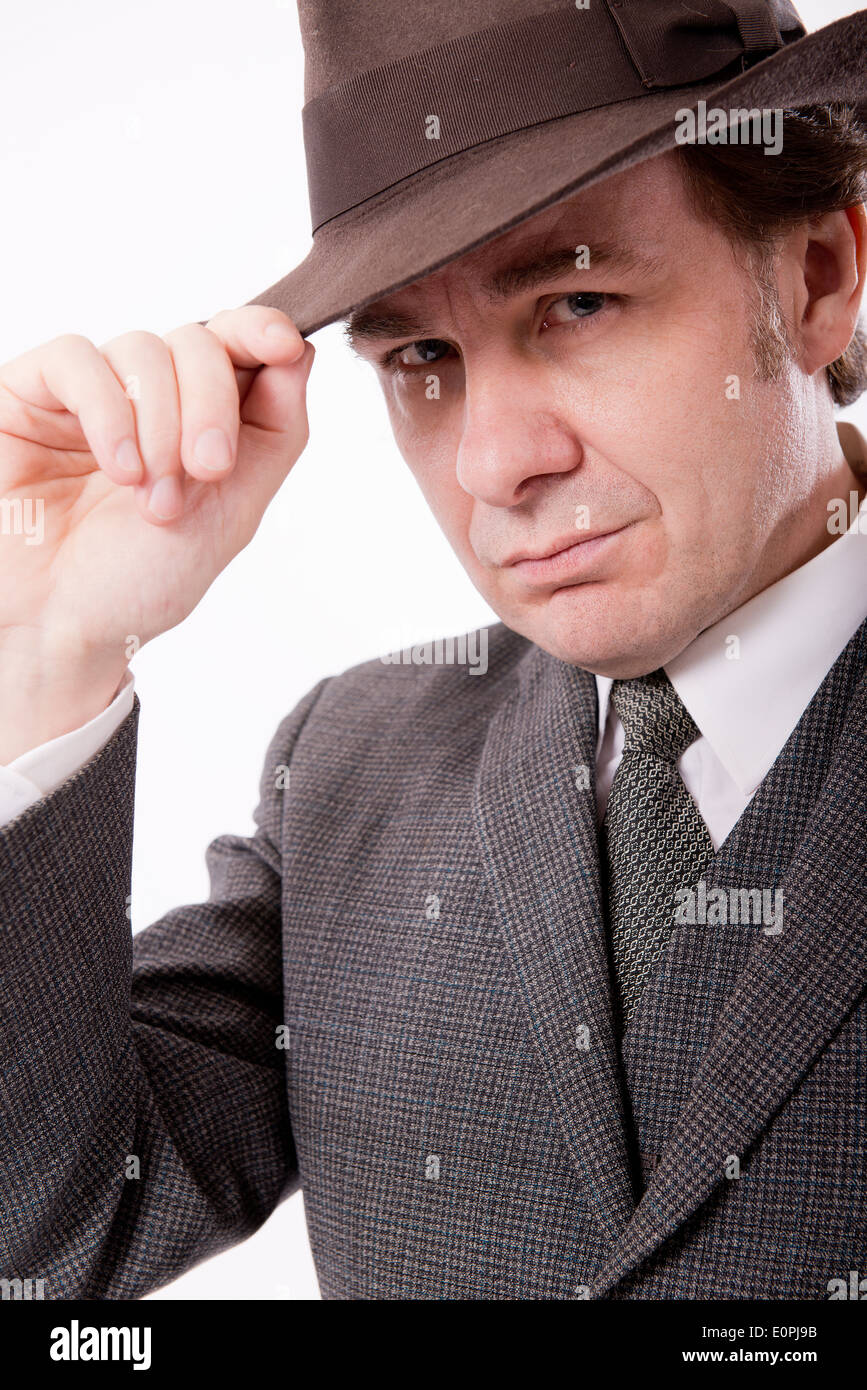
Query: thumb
[[273, 435], [277, 394]]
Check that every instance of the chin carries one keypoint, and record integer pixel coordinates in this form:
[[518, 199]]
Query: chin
[[599, 636]]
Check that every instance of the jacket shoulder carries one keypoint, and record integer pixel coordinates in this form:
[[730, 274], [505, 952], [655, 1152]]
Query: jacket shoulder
[[485, 651], [420, 697]]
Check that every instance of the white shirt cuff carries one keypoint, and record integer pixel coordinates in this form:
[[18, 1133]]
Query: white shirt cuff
[[40, 770]]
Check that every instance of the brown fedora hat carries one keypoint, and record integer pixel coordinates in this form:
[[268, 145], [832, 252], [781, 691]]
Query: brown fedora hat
[[432, 126]]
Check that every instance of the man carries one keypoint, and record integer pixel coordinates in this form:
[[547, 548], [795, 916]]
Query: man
[[548, 984]]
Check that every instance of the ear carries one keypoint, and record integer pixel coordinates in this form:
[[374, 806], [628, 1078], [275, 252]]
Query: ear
[[833, 264]]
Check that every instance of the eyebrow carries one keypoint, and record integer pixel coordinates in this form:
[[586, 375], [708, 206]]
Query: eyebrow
[[369, 325]]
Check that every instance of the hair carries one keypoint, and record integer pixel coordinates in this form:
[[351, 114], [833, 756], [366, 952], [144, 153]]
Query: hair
[[757, 200]]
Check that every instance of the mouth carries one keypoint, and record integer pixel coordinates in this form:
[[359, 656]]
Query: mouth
[[565, 560]]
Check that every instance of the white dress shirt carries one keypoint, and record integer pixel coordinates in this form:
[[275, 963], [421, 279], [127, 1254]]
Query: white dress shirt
[[745, 706]]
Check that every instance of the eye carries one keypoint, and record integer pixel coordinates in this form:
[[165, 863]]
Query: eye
[[571, 308], [418, 354]]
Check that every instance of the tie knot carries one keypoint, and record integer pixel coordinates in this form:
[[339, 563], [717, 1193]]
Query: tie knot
[[654, 718]]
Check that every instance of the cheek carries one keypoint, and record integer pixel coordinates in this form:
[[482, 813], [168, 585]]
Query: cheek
[[430, 452], [425, 430], [452, 507], [692, 418]]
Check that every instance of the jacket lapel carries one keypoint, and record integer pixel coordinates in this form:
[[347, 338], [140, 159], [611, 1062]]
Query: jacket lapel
[[805, 831], [536, 818]]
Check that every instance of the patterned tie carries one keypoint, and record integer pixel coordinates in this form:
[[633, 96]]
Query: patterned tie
[[653, 839]]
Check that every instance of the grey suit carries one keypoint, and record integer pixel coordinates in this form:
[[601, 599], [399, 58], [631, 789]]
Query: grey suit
[[397, 998]]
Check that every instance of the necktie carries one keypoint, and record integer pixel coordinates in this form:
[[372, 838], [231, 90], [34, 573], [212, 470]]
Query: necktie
[[653, 839]]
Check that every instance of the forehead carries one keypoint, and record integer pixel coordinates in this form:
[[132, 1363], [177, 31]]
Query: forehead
[[624, 220]]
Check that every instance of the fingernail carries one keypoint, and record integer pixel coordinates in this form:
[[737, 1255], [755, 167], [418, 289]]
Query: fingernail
[[127, 459], [212, 450], [166, 500]]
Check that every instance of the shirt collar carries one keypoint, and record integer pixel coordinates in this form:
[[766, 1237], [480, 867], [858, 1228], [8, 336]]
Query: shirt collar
[[788, 638]]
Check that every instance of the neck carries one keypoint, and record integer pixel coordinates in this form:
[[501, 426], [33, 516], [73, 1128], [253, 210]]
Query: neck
[[831, 487]]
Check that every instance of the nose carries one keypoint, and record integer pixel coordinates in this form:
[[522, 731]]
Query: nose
[[510, 436]]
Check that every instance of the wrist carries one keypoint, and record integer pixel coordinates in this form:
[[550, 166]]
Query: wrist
[[43, 702]]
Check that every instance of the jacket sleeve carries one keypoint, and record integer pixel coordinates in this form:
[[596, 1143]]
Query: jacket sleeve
[[143, 1114]]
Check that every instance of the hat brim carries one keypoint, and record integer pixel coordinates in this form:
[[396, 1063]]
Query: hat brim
[[460, 203]]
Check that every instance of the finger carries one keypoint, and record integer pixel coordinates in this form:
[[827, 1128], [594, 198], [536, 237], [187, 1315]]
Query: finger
[[254, 334], [70, 374], [144, 366], [209, 402]]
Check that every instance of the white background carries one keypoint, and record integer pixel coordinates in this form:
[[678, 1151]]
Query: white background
[[152, 173]]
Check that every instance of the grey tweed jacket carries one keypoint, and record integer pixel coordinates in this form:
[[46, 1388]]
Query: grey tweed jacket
[[397, 998]]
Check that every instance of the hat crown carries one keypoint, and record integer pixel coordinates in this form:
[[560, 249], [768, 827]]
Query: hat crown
[[343, 38], [433, 126], [385, 101]]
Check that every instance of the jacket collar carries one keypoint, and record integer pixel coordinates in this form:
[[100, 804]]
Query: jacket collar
[[536, 821]]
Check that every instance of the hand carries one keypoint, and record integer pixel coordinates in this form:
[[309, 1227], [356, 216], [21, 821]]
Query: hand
[[130, 475]]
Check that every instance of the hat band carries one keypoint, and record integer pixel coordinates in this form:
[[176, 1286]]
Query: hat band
[[390, 122]]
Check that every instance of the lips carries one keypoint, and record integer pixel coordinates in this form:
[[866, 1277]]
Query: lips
[[560, 546], [565, 560]]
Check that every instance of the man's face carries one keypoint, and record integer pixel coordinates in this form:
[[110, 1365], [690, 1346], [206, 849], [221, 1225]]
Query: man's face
[[608, 418]]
